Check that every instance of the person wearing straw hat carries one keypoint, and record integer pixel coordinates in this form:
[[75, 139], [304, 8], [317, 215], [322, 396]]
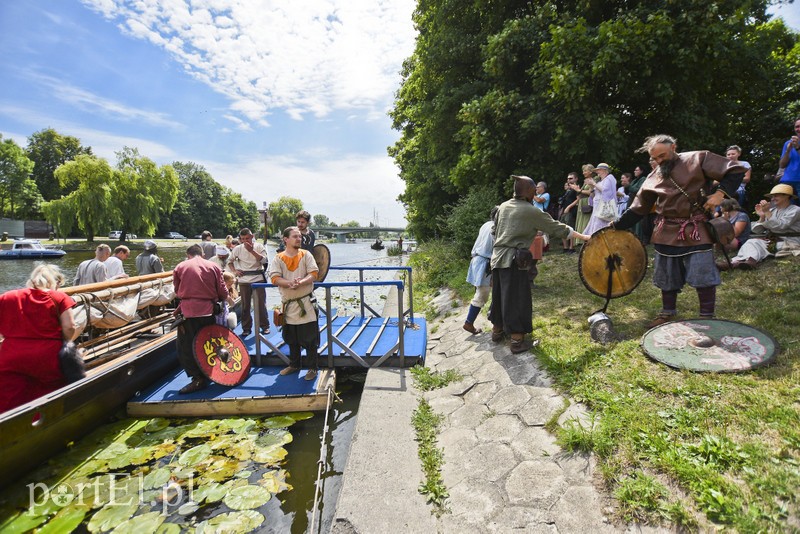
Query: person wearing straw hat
[[777, 231]]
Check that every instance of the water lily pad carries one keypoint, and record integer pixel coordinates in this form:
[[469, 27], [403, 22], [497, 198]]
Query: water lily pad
[[23, 522], [188, 508], [271, 456], [242, 451], [274, 481], [66, 520], [154, 425], [91, 467], [168, 528], [163, 449], [238, 426], [148, 522], [231, 523], [111, 515], [195, 455], [279, 421], [112, 451], [211, 492], [246, 498], [220, 470], [243, 474], [274, 437], [203, 428], [157, 478], [301, 416], [135, 456]]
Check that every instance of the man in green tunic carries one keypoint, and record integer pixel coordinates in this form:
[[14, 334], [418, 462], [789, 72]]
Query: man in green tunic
[[518, 221]]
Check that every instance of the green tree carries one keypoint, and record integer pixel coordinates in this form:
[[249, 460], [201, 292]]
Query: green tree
[[14, 169], [202, 205], [283, 213], [321, 220], [48, 150], [541, 87], [144, 192], [239, 213], [94, 204], [62, 214]]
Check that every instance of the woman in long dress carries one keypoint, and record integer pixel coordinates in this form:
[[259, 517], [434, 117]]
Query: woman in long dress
[[605, 192], [582, 218]]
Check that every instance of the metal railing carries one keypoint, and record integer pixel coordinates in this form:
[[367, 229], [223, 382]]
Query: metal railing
[[333, 337]]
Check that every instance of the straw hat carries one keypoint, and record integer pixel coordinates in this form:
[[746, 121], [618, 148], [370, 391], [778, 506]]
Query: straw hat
[[782, 189]]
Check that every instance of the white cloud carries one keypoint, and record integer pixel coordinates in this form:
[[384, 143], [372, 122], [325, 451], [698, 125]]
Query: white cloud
[[344, 188], [103, 144], [92, 103], [309, 57]]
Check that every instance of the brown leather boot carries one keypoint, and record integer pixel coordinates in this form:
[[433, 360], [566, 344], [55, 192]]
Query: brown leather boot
[[662, 318], [469, 327]]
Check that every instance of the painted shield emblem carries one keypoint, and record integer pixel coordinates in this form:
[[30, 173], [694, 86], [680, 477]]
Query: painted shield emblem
[[221, 355]]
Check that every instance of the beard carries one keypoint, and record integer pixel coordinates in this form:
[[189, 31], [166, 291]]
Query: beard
[[666, 166]]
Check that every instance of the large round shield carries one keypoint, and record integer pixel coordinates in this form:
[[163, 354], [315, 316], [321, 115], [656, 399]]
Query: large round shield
[[323, 258], [221, 355], [614, 256], [709, 345]]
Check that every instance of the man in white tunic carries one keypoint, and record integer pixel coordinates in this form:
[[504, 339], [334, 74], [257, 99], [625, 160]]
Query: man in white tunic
[[294, 271], [114, 266], [249, 260]]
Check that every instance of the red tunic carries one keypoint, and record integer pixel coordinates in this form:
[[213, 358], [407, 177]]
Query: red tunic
[[31, 327], [198, 283]]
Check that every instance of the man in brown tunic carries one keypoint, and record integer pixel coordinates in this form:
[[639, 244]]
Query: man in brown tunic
[[683, 192]]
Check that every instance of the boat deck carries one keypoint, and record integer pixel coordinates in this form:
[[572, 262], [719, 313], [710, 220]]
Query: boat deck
[[265, 391]]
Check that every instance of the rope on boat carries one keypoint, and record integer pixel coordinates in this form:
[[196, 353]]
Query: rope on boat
[[323, 454]]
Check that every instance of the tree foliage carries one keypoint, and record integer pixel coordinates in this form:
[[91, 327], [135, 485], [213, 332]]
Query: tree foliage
[[539, 88], [144, 192], [321, 220], [283, 213], [48, 149], [94, 205], [14, 182]]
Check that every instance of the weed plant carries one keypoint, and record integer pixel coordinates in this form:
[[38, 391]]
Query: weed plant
[[698, 450]]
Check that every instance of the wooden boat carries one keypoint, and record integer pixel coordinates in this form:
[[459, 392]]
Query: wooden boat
[[30, 249], [120, 362]]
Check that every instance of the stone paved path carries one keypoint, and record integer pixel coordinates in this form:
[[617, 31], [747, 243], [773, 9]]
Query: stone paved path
[[504, 471]]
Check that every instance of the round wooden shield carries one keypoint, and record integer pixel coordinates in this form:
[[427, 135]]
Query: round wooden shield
[[323, 258], [616, 253], [221, 355], [709, 345]]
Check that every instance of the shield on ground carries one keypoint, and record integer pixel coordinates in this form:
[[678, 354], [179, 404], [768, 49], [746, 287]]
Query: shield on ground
[[323, 258], [709, 345], [614, 258], [221, 355]]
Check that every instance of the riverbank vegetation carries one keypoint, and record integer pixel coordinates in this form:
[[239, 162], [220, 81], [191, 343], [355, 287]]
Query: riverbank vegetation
[[539, 88], [699, 450]]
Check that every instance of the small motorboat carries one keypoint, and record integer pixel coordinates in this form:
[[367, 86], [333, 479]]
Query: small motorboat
[[24, 249], [377, 245]]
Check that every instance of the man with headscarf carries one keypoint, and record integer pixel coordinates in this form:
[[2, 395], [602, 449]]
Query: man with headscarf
[[681, 190], [517, 223]]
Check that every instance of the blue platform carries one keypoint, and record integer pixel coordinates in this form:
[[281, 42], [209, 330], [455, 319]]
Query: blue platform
[[264, 391]]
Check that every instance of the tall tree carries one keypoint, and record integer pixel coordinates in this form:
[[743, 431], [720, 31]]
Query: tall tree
[[202, 206], [542, 87], [14, 169], [92, 200], [321, 220], [283, 213], [48, 149], [62, 214], [144, 192], [239, 213]]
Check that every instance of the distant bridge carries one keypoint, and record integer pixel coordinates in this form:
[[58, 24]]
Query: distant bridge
[[342, 231]]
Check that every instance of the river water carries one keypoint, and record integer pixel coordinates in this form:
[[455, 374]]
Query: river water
[[289, 511]]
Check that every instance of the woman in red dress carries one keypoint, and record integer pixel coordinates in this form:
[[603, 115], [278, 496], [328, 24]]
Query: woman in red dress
[[34, 323]]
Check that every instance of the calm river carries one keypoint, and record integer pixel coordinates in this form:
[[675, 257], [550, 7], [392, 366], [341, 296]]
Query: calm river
[[289, 511]]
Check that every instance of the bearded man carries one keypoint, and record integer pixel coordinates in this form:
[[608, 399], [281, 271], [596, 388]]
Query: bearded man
[[681, 190]]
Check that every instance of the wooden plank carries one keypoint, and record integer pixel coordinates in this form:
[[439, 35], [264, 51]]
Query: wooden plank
[[229, 407]]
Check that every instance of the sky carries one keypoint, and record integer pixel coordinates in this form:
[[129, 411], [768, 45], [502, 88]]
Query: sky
[[273, 98]]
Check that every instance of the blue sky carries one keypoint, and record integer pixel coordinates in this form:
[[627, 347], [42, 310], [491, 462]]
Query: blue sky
[[273, 98]]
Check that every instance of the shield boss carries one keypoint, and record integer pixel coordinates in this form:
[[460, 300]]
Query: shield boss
[[221, 355]]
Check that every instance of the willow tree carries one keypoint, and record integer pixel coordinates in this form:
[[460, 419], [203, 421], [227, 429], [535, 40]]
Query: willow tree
[[95, 207], [145, 192], [61, 214], [14, 169]]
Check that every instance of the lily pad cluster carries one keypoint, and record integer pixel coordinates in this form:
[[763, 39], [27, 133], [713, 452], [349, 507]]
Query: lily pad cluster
[[158, 475]]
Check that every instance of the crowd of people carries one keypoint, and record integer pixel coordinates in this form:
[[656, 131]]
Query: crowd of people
[[666, 207]]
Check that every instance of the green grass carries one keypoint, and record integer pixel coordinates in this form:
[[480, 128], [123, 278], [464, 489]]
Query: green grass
[[426, 424], [427, 380], [701, 451]]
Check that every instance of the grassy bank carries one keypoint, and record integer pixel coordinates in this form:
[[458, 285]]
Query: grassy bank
[[697, 450]]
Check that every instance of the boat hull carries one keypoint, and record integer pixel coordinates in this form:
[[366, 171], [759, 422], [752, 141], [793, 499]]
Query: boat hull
[[32, 433], [36, 255]]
